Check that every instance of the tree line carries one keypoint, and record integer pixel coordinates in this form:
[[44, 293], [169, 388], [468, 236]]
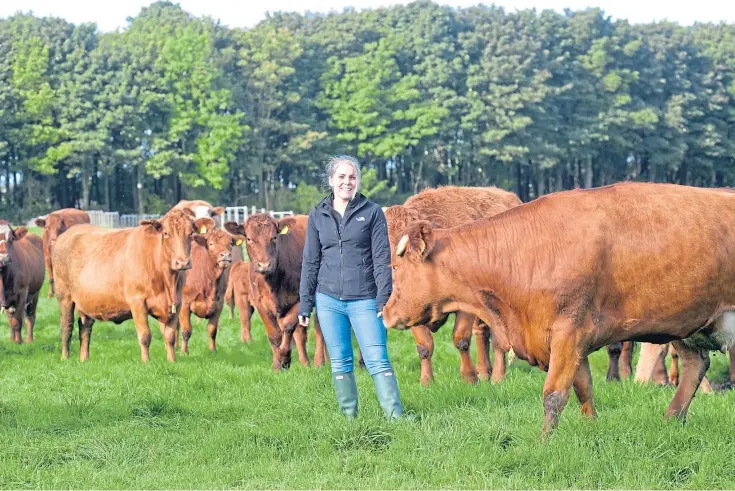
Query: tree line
[[174, 106]]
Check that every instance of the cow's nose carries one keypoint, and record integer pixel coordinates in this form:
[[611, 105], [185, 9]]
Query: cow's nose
[[264, 266], [182, 264], [225, 256]]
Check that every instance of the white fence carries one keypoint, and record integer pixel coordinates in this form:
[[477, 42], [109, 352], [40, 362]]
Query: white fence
[[241, 213], [113, 219]]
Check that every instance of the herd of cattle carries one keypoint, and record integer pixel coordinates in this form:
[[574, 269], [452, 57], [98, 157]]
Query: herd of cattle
[[550, 281]]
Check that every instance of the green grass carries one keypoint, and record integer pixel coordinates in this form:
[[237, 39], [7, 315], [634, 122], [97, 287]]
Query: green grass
[[227, 421]]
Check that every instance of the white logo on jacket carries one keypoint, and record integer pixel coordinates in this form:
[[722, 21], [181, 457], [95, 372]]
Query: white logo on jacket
[[360, 219]]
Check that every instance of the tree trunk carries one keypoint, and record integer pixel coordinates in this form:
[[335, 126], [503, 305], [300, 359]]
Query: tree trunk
[[588, 173]]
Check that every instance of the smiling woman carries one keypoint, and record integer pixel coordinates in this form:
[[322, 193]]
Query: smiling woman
[[346, 263]]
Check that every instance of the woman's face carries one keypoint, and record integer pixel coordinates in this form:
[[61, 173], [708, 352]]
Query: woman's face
[[343, 181]]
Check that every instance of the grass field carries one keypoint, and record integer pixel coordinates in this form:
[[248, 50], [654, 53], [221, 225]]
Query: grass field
[[225, 420]]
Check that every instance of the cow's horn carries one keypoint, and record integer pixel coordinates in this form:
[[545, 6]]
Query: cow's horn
[[401, 247]]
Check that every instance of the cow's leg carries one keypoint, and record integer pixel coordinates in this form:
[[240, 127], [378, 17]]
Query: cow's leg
[[185, 323], [246, 311], [290, 325], [319, 346], [212, 326], [280, 360], [31, 305], [482, 341], [694, 365], [732, 365], [613, 354], [50, 271], [583, 388], [647, 360], [626, 360], [67, 325], [563, 363], [85, 334], [499, 363], [170, 332], [462, 337], [140, 318], [674, 375], [660, 376], [15, 325], [425, 348], [300, 336]]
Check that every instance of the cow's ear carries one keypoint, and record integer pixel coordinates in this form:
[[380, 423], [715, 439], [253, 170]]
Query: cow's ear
[[235, 228], [204, 225], [219, 210], [155, 224], [284, 225], [200, 239], [40, 222], [20, 232], [417, 241]]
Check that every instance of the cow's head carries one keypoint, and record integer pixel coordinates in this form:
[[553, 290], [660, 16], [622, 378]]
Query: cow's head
[[262, 234], [175, 231], [53, 226], [7, 237], [219, 243], [414, 279]]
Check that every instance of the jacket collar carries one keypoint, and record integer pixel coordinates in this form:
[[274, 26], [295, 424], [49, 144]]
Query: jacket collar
[[325, 205]]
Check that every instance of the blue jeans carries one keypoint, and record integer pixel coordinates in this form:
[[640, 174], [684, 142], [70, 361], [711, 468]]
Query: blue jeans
[[335, 318]]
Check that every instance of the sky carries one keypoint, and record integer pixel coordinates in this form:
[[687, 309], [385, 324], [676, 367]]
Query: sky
[[110, 15]]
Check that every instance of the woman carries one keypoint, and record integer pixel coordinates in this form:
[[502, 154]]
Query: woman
[[347, 264]]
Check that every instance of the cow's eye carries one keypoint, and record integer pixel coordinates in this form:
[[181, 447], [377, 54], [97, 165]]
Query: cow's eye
[[166, 235], [250, 241], [395, 268]]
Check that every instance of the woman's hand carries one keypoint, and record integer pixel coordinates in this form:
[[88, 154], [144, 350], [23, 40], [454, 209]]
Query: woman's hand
[[304, 320], [380, 314]]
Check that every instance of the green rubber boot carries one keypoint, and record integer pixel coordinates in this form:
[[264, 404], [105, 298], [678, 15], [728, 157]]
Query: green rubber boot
[[386, 388], [345, 387]]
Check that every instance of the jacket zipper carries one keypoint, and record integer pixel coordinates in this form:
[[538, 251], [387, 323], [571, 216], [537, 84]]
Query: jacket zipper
[[341, 256]]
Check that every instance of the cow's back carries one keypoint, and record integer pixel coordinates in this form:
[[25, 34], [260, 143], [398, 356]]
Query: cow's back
[[96, 267], [457, 205], [27, 262]]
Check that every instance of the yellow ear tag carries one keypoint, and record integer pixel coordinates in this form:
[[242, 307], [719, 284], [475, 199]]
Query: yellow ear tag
[[173, 308], [238, 242], [203, 230], [284, 230]]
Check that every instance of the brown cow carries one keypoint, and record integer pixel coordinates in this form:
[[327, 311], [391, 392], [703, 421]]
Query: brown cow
[[204, 291], [450, 206], [55, 224], [241, 291], [571, 272], [116, 275], [275, 249], [21, 278], [202, 209]]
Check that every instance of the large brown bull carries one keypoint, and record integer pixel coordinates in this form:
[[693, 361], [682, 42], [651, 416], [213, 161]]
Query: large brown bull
[[21, 278], [450, 206], [116, 275], [55, 224], [571, 272], [275, 249]]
